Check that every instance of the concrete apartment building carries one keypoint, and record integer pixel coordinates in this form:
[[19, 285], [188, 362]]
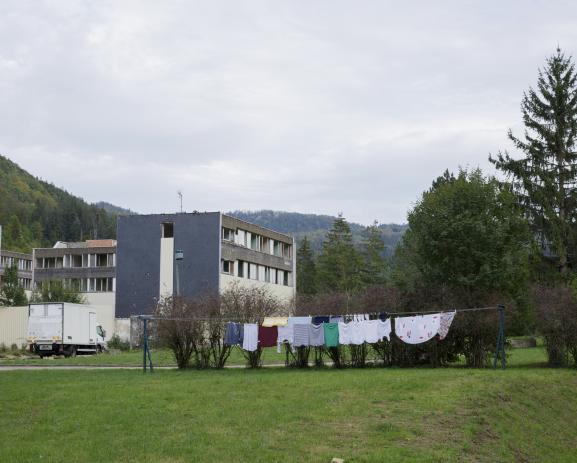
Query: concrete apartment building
[[89, 266], [23, 263], [217, 251]]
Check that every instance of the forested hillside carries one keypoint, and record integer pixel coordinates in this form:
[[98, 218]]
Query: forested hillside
[[35, 213], [315, 227]]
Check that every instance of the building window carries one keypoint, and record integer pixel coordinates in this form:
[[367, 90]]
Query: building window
[[228, 267], [167, 229], [102, 260], [255, 242], [241, 237], [227, 234], [286, 279], [277, 248], [253, 271], [240, 269]]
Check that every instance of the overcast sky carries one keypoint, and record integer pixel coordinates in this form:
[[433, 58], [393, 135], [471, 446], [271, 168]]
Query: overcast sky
[[305, 106]]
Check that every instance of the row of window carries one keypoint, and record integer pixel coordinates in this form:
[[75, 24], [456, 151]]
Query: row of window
[[21, 264], [257, 272], [26, 283], [87, 285], [77, 261], [257, 242]]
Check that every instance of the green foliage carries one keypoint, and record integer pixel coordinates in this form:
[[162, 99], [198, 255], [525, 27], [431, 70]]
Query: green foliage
[[545, 178], [116, 342], [375, 266], [57, 291], [11, 293], [35, 213], [306, 269], [467, 234], [339, 264]]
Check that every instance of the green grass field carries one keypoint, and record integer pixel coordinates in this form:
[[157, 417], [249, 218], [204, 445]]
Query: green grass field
[[525, 413], [160, 357]]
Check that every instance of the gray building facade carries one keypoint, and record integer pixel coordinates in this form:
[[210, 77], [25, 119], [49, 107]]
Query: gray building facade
[[217, 250], [87, 266], [23, 263]]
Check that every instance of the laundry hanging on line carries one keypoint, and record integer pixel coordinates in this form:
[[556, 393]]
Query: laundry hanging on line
[[417, 329], [302, 332], [275, 321]]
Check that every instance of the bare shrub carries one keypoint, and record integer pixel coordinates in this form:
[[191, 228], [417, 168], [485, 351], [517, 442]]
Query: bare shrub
[[193, 329], [250, 305]]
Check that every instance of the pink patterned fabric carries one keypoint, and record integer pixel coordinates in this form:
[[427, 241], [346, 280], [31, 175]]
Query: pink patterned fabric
[[446, 320], [418, 329]]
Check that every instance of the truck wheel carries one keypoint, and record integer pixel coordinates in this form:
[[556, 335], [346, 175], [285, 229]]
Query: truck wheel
[[72, 351], [99, 349]]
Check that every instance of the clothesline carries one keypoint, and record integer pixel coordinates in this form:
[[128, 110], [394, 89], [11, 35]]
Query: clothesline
[[227, 319]]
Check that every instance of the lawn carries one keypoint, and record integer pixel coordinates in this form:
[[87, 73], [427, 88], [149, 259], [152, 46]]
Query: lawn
[[160, 357], [164, 357], [525, 413]]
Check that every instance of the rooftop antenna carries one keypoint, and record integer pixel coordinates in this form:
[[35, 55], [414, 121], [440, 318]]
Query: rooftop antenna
[[180, 196]]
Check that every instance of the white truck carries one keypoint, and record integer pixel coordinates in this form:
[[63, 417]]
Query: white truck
[[61, 328]]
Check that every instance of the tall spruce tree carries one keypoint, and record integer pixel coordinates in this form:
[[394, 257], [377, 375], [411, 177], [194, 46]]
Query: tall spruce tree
[[374, 270], [339, 264], [306, 269], [11, 293], [545, 179]]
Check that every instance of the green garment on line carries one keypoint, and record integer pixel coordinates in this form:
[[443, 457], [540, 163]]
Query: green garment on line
[[331, 334]]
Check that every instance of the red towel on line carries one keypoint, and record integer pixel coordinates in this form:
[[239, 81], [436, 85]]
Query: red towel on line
[[267, 336]]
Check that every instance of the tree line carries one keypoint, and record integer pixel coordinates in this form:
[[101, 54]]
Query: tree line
[[475, 239]]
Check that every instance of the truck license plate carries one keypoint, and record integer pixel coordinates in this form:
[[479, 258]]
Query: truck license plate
[[45, 347]]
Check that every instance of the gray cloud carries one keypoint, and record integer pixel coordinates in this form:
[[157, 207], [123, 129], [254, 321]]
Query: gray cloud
[[304, 106]]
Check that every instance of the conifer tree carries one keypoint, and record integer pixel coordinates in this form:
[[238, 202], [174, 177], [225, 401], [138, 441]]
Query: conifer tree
[[11, 293], [545, 179], [339, 264], [375, 264], [306, 269]]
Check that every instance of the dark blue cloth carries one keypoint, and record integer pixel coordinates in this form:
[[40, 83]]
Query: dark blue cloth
[[383, 316], [232, 334], [320, 319]]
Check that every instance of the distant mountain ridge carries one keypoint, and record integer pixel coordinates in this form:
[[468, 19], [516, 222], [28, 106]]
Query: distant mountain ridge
[[315, 227]]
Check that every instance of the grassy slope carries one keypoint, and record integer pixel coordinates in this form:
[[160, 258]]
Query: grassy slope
[[524, 413]]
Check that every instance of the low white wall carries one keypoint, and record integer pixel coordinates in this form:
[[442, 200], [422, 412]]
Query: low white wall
[[13, 325], [103, 299], [122, 328]]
